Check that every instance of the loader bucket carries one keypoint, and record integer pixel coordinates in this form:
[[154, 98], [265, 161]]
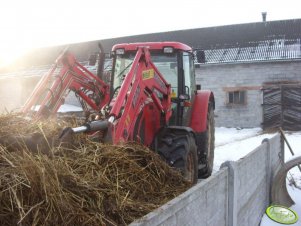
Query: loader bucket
[[35, 143]]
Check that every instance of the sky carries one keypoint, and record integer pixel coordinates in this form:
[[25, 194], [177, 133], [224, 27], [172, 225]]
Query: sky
[[38, 23]]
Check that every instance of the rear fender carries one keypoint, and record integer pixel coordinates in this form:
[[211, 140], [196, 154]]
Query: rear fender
[[199, 110]]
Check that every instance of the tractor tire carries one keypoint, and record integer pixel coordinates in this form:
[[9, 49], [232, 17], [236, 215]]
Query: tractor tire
[[179, 150], [205, 143]]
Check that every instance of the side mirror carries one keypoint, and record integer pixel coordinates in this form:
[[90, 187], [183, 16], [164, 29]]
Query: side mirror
[[184, 97]]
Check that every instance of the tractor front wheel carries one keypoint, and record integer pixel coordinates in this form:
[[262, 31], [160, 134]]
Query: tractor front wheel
[[179, 149]]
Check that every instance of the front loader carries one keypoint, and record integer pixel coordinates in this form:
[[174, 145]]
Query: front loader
[[152, 99]]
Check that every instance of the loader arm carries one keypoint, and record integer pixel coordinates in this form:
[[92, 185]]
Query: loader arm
[[72, 76], [142, 84]]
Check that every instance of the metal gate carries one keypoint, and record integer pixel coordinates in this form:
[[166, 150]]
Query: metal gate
[[282, 107]]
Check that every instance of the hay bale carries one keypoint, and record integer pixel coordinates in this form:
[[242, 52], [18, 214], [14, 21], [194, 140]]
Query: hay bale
[[93, 184]]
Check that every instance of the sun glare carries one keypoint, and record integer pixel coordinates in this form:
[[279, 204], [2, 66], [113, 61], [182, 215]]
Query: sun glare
[[32, 24], [13, 43], [9, 54]]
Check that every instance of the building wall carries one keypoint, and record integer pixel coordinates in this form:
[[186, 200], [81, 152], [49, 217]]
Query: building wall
[[221, 78]]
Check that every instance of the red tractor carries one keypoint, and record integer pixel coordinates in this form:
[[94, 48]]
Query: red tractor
[[151, 98]]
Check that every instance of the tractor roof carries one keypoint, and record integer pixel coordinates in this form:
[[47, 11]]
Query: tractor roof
[[152, 46]]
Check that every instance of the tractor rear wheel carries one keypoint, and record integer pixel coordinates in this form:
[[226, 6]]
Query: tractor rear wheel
[[179, 149], [205, 142]]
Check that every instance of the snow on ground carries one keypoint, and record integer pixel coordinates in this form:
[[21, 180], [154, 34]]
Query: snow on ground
[[233, 144], [228, 135], [69, 108], [64, 108]]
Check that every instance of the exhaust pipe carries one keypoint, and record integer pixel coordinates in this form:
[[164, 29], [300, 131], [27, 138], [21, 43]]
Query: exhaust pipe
[[101, 61]]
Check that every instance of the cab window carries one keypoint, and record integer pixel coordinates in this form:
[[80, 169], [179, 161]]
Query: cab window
[[188, 73], [167, 66]]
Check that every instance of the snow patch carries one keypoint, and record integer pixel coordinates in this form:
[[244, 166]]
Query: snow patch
[[69, 108], [63, 108]]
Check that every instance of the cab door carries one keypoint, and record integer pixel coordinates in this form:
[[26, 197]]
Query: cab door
[[186, 81]]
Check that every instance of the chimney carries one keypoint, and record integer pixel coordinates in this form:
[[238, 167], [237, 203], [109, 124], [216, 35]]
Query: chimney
[[264, 16]]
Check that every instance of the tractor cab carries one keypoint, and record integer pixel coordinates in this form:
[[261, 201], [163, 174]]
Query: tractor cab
[[173, 60]]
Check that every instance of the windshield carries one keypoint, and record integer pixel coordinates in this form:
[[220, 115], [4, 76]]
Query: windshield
[[122, 66], [166, 64]]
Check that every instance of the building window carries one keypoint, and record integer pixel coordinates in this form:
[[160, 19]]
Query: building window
[[236, 98]]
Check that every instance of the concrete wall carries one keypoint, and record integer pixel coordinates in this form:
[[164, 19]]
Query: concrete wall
[[248, 76], [237, 194]]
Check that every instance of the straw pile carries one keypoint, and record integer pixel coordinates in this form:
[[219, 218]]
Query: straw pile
[[93, 184]]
